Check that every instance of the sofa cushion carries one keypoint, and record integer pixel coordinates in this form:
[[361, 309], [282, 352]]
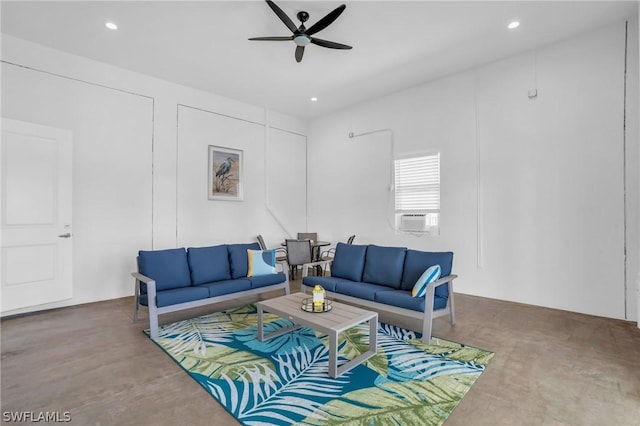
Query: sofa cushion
[[359, 290], [416, 262], [430, 275], [348, 261], [261, 262], [383, 265], [238, 258], [208, 264], [403, 299], [169, 268], [265, 280], [220, 288], [328, 283], [176, 295]]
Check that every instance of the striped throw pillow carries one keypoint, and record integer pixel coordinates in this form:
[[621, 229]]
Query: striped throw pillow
[[429, 276]]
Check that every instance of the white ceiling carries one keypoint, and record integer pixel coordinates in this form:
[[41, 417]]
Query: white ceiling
[[396, 44]]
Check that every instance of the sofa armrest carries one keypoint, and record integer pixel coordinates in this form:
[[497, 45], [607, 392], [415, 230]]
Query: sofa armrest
[[443, 280], [429, 298], [306, 266], [284, 268], [151, 287], [143, 278], [151, 301], [429, 295]]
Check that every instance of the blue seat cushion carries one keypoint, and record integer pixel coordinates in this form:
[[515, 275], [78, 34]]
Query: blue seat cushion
[[360, 290], [383, 265], [220, 288], [176, 296], [208, 264], [265, 280], [328, 283], [348, 261], [404, 299], [416, 262], [238, 258], [169, 268]]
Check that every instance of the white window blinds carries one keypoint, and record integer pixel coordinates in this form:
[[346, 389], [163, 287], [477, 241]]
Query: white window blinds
[[417, 184]]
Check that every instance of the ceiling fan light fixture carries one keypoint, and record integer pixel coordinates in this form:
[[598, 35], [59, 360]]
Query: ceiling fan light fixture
[[301, 40], [301, 35]]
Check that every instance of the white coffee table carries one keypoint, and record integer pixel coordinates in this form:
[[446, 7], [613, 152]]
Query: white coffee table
[[341, 317]]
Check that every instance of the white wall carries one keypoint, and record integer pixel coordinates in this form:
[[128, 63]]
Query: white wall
[[140, 159], [533, 190], [289, 203], [633, 176], [524, 226], [201, 221]]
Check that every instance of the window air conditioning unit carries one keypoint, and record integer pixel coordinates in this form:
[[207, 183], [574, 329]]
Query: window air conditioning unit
[[414, 223]]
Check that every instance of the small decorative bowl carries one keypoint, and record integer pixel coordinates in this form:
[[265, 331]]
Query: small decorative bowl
[[307, 306]]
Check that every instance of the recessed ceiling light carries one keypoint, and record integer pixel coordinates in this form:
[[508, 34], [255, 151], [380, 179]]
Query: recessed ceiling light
[[111, 26], [314, 99], [514, 24]]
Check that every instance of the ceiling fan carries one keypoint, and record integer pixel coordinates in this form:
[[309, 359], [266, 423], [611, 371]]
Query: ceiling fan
[[302, 36]]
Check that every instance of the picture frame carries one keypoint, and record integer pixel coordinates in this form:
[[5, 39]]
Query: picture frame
[[225, 174]]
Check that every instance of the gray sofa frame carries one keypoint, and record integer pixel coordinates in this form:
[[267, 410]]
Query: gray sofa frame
[[155, 311], [427, 316]]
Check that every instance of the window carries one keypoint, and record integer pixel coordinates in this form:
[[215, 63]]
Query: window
[[417, 193]]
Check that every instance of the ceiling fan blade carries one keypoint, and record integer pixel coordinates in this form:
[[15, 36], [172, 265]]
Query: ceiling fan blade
[[283, 16], [326, 21], [329, 44], [299, 53], [287, 38]]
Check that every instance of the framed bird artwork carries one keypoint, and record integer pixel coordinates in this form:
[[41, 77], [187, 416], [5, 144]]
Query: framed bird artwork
[[225, 173]]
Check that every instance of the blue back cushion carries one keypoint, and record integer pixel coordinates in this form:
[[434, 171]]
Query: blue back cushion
[[384, 265], [416, 262], [348, 261], [169, 268], [208, 264], [238, 259]]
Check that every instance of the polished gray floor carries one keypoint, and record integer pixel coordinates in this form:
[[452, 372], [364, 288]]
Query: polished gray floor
[[551, 367]]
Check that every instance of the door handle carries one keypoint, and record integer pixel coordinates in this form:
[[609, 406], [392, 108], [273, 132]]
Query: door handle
[[67, 235]]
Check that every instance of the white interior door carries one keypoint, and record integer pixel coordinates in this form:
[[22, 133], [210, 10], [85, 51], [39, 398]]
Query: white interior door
[[36, 215]]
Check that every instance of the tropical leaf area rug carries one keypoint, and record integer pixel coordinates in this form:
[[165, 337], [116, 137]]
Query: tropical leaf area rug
[[284, 380]]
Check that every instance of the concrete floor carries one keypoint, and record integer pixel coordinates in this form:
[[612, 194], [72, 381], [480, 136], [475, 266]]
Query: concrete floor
[[550, 367]]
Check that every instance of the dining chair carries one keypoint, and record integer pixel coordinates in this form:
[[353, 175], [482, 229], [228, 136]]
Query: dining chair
[[298, 253], [281, 252], [329, 254], [313, 236], [263, 246]]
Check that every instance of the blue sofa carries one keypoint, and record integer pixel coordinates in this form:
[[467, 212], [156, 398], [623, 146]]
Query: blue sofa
[[382, 278], [176, 279]]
